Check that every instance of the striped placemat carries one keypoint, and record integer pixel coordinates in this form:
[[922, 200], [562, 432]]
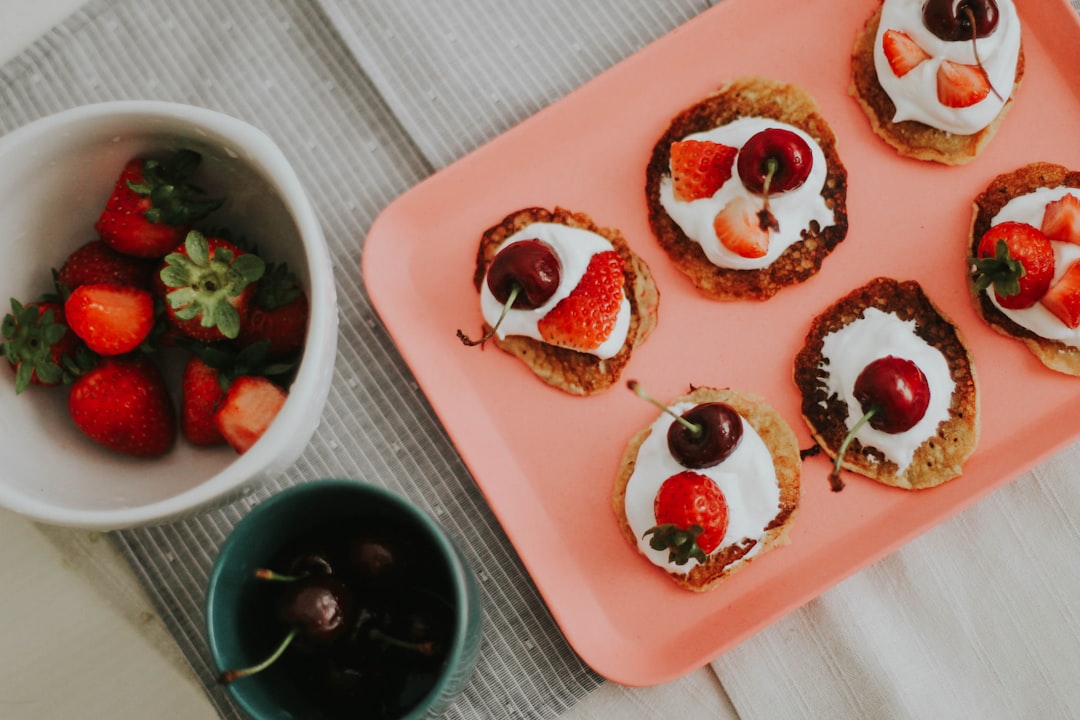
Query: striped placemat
[[365, 99]]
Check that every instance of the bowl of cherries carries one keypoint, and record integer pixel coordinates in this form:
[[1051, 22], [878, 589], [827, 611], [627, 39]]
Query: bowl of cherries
[[338, 598]]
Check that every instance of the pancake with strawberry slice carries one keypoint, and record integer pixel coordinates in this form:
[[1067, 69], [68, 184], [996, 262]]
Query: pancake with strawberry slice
[[929, 86], [746, 191], [1024, 261], [586, 299]]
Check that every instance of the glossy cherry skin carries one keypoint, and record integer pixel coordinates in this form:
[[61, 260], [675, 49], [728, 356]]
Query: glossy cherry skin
[[719, 435], [319, 607], [307, 559], [899, 391], [952, 20], [530, 265], [787, 149]]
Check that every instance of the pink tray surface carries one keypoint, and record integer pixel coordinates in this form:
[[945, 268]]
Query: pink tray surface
[[545, 461]]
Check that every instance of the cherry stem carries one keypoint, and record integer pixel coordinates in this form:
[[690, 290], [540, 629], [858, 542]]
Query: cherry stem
[[975, 49], [426, 648], [766, 220], [230, 675], [267, 574], [514, 292], [834, 477], [694, 428]]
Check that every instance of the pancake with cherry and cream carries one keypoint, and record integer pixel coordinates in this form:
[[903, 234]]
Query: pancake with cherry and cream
[[889, 319], [579, 333], [733, 234], [757, 484], [933, 85]]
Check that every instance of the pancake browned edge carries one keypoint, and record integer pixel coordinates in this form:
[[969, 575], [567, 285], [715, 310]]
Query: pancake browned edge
[[1029, 178], [577, 373], [783, 445], [911, 138], [755, 97], [939, 458]]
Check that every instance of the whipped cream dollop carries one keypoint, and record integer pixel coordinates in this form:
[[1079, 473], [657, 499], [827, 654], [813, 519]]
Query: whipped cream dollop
[[794, 209], [1029, 209], [915, 94], [875, 335], [574, 247], [747, 478]]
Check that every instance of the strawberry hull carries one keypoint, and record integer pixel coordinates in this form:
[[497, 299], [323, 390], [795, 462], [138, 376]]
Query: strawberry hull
[[152, 206]]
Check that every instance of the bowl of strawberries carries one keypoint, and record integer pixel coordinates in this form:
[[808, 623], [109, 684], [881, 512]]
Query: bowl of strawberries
[[170, 325]]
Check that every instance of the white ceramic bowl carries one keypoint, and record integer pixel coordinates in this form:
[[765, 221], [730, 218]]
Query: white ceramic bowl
[[55, 176]]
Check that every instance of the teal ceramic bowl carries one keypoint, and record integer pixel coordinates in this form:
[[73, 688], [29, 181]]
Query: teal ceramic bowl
[[237, 619]]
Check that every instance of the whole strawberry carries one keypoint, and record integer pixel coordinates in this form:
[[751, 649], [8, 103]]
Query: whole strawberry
[[153, 205], [584, 319], [38, 344], [691, 517], [124, 405], [208, 284], [1017, 259], [278, 314], [96, 262], [202, 392]]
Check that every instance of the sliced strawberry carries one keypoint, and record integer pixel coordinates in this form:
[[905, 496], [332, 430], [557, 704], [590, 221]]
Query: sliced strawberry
[[208, 284], [124, 405], [110, 319], [96, 262], [249, 408], [1063, 297], [699, 168], [278, 314], [902, 53], [691, 517], [38, 344], [201, 395], [152, 205], [960, 85], [738, 227], [1017, 260], [1061, 219], [584, 319]]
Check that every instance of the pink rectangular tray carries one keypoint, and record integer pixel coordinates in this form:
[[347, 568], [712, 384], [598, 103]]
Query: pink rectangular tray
[[545, 461]]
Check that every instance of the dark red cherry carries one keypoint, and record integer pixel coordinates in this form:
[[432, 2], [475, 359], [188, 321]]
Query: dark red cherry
[[309, 556], [529, 265], [320, 608], [954, 20], [893, 394], [379, 555], [896, 389], [414, 630], [318, 613], [527, 271], [704, 435], [775, 156]]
